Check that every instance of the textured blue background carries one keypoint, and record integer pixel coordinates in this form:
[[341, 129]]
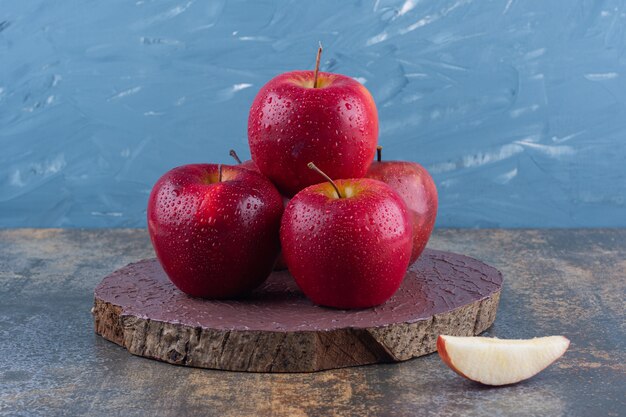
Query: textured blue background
[[516, 107]]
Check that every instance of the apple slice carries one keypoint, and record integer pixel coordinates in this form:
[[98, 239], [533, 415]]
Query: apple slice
[[493, 361]]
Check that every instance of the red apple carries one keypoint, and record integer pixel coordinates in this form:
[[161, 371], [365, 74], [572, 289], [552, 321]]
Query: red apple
[[415, 185], [347, 243], [281, 265], [215, 228], [249, 164], [304, 116]]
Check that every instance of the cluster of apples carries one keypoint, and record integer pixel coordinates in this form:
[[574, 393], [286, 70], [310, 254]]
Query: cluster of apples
[[348, 226]]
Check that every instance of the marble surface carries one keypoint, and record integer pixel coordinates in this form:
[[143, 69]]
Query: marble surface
[[568, 282], [516, 107]]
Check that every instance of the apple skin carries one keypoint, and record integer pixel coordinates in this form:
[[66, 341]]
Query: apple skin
[[443, 354], [249, 164], [350, 252], [280, 262], [281, 265], [291, 124], [415, 185], [215, 239]]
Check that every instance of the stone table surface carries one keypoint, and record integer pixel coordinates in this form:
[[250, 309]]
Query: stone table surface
[[570, 282]]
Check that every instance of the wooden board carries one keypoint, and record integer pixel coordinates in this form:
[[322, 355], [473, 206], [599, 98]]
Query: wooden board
[[277, 329]]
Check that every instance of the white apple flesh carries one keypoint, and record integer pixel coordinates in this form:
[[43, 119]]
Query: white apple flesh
[[493, 361]]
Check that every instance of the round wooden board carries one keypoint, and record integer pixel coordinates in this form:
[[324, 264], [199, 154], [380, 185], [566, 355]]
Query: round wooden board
[[277, 329]]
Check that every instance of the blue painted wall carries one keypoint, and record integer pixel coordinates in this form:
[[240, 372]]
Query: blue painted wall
[[516, 107]]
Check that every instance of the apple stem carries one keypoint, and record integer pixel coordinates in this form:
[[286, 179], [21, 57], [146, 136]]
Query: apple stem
[[235, 156], [312, 166], [379, 153], [219, 173], [317, 65]]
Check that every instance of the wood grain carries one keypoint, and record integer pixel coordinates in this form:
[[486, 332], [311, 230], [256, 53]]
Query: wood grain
[[276, 329]]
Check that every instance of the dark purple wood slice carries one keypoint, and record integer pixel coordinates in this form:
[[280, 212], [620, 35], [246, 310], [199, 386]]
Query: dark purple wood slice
[[277, 329]]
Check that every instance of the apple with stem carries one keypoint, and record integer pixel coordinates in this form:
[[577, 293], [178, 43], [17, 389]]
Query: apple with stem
[[347, 242], [304, 116], [215, 228], [415, 185], [493, 361], [249, 164]]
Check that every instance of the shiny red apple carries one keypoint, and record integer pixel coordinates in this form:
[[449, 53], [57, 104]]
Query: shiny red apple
[[415, 185], [304, 116], [281, 265], [249, 164], [215, 228], [348, 243]]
